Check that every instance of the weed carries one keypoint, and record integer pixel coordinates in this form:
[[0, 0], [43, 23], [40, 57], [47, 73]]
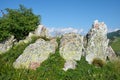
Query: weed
[[98, 62]]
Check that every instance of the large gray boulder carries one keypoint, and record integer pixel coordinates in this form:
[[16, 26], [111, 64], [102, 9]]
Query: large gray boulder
[[97, 42], [7, 44], [35, 54], [71, 46]]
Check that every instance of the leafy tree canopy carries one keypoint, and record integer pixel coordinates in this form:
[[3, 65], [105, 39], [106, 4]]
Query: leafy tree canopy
[[18, 22]]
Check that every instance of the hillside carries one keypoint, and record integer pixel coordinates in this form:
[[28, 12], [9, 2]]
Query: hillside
[[115, 44], [115, 41], [114, 34]]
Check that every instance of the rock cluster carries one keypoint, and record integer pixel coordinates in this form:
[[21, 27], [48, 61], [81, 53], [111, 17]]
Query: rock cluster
[[95, 46], [71, 46], [41, 31], [35, 54]]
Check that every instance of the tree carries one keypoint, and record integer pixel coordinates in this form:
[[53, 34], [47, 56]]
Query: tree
[[18, 22]]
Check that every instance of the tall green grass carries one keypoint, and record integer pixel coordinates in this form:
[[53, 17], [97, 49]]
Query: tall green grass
[[51, 69]]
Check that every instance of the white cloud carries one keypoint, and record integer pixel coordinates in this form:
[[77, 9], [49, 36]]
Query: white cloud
[[58, 31], [69, 29]]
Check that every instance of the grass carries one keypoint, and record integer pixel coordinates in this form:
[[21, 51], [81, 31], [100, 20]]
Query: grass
[[116, 46], [51, 69]]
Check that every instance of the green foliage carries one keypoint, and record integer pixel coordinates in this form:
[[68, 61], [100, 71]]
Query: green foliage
[[51, 69], [18, 22], [58, 40]]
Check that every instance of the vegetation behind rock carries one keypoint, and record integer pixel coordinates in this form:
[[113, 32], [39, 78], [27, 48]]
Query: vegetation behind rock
[[18, 22]]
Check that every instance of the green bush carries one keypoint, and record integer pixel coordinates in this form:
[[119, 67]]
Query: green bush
[[18, 22]]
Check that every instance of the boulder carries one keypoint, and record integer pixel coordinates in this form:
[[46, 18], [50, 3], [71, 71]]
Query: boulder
[[71, 46], [54, 43], [35, 54], [110, 54], [97, 42], [7, 44], [41, 31], [27, 39]]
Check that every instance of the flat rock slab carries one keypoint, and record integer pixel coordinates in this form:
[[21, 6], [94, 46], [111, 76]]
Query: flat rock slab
[[35, 54]]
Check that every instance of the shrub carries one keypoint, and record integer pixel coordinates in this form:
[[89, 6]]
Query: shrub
[[98, 62], [18, 22]]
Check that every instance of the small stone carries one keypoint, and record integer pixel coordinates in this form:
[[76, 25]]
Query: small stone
[[69, 64], [7, 44]]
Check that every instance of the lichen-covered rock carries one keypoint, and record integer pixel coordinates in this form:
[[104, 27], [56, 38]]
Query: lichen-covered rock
[[6, 45], [71, 46], [27, 39], [54, 43], [97, 42], [70, 64], [35, 54], [41, 31], [110, 54]]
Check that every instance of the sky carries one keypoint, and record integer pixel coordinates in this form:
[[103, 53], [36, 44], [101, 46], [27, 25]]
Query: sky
[[71, 15]]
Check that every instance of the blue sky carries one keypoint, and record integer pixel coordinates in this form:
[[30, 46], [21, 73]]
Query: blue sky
[[78, 14]]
